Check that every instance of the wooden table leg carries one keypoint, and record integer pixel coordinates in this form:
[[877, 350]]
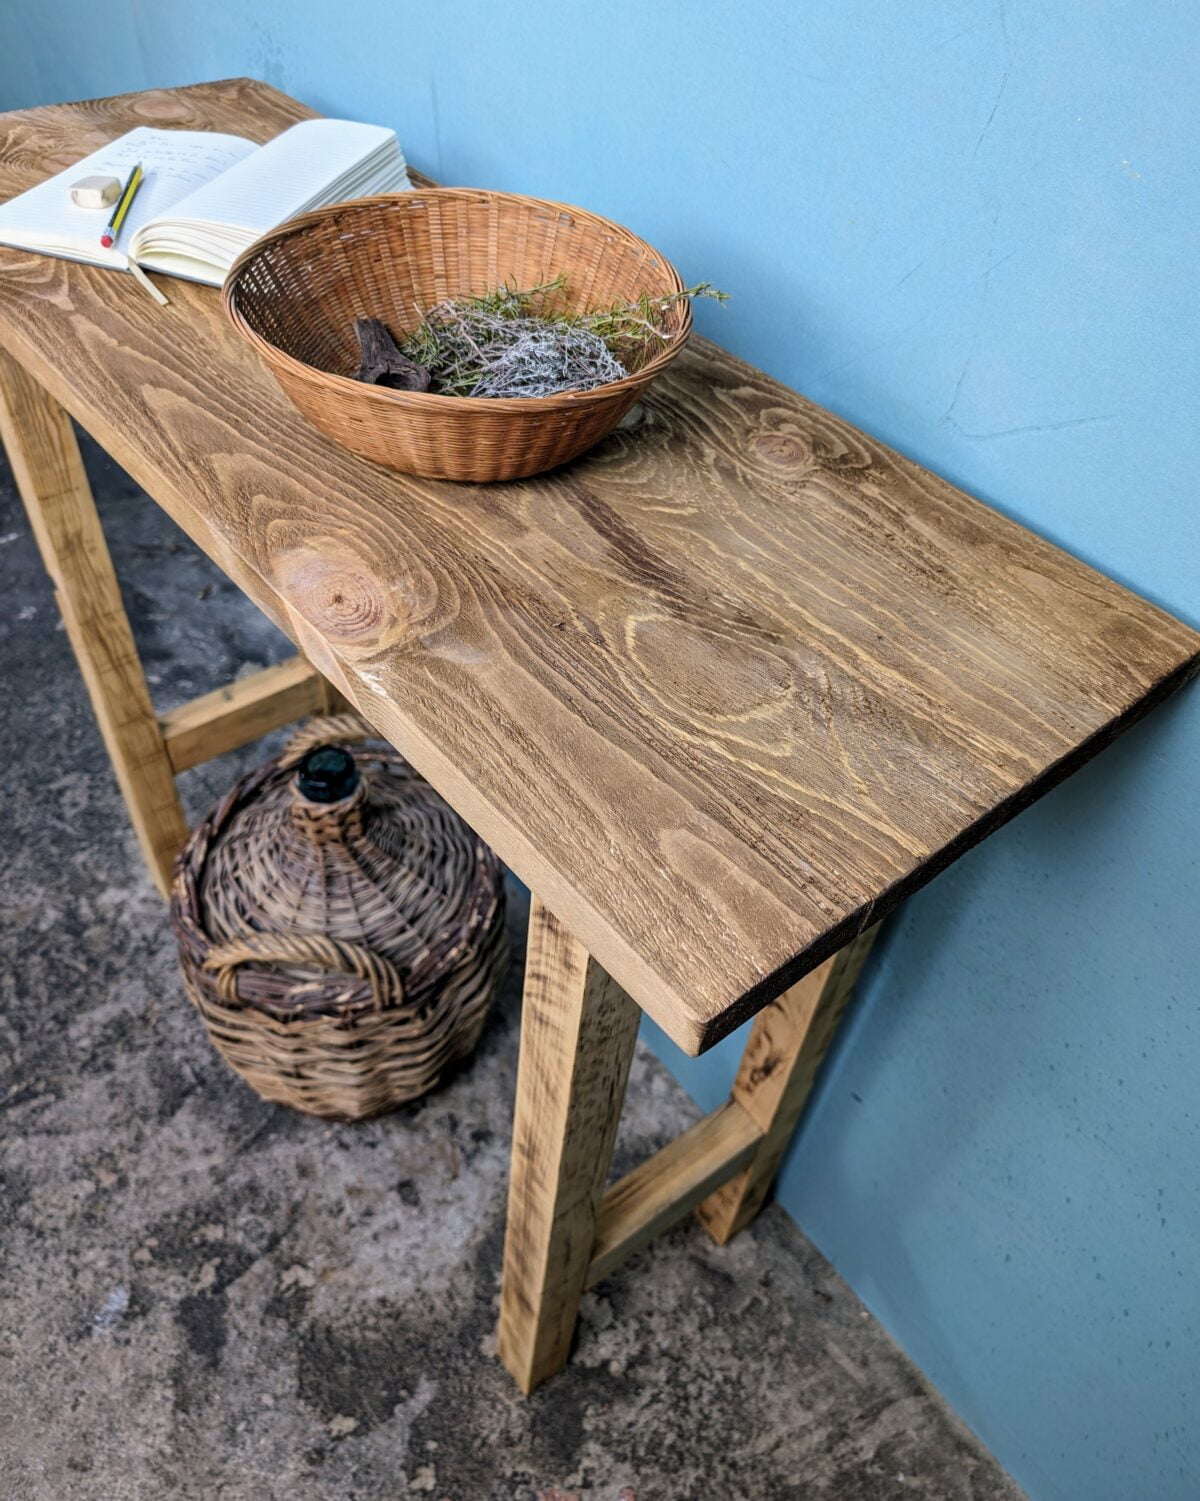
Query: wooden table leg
[[788, 1042], [146, 752], [578, 1031], [577, 1037], [49, 471]]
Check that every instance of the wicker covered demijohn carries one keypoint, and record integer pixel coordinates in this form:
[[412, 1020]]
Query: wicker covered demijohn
[[341, 930]]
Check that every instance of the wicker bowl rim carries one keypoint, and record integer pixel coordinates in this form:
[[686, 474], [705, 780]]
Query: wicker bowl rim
[[427, 400]]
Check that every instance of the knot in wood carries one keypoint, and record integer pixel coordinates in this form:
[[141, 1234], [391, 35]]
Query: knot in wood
[[160, 105], [783, 449], [337, 594]]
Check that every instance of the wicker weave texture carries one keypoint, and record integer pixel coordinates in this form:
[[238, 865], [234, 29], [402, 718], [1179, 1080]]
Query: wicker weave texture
[[342, 956], [296, 292]]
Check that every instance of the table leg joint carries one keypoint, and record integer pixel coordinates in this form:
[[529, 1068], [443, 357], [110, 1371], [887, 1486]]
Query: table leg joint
[[242, 711], [787, 1045], [669, 1185]]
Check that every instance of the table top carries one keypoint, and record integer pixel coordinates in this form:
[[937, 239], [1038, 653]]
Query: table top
[[723, 692]]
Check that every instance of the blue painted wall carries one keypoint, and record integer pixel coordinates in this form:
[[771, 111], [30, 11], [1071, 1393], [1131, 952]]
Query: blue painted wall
[[971, 227]]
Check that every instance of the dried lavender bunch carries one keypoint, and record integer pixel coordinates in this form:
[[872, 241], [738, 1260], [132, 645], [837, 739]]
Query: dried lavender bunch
[[470, 351], [522, 342]]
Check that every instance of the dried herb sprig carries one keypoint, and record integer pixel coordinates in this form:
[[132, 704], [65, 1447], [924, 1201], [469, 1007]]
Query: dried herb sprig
[[523, 342], [628, 327]]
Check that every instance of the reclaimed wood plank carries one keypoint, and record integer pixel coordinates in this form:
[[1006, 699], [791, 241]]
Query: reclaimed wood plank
[[723, 692], [578, 1031], [44, 455]]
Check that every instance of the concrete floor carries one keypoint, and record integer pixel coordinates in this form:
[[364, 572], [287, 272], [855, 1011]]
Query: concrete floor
[[203, 1296]]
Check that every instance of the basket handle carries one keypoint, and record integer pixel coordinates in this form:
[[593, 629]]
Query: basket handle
[[329, 729], [336, 954]]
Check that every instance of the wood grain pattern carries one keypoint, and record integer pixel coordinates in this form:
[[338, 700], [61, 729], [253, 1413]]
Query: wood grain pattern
[[578, 1030], [723, 692], [784, 1053], [670, 1184], [241, 711], [41, 447]]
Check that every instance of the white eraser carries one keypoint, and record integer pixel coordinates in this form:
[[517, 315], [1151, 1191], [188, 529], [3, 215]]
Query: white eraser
[[95, 192]]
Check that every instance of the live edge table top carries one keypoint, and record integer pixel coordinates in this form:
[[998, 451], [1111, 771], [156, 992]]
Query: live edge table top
[[722, 692]]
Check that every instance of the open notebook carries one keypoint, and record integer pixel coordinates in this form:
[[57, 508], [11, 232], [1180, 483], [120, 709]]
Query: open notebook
[[205, 197]]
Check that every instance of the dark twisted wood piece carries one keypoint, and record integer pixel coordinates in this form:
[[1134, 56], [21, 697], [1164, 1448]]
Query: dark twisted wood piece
[[382, 362]]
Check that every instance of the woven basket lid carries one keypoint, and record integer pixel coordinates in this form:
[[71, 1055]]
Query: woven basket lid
[[389, 868]]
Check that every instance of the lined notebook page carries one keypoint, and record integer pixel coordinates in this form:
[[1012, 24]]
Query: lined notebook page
[[175, 163], [286, 176]]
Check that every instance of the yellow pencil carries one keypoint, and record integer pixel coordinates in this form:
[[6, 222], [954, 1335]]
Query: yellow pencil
[[109, 238]]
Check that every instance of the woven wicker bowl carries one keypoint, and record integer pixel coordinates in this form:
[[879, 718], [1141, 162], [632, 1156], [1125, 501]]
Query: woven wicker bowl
[[296, 292], [342, 956]]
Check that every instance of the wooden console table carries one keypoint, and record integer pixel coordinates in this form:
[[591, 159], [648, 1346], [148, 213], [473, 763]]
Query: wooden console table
[[722, 693]]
